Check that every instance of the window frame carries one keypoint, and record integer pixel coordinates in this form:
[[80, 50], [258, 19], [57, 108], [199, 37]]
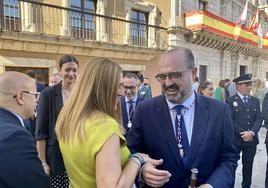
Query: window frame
[[80, 29], [10, 22], [141, 38]]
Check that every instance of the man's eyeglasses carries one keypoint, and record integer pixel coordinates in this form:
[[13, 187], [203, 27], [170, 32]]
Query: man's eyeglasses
[[36, 94], [170, 75], [129, 87]]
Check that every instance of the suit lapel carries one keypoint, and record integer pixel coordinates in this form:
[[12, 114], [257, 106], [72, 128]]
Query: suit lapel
[[124, 111], [199, 127], [165, 124], [57, 98]]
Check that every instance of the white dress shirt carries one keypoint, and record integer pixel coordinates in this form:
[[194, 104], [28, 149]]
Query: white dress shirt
[[21, 120], [133, 102], [187, 113]]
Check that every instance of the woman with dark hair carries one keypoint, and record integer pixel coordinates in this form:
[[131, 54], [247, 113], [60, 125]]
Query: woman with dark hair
[[50, 103], [206, 88]]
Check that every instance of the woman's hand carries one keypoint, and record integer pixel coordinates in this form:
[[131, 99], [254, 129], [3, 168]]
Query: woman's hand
[[46, 168]]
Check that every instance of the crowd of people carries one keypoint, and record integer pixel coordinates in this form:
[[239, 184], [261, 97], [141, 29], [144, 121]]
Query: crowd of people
[[95, 127]]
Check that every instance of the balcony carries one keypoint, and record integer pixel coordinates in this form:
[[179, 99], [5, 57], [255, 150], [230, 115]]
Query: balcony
[[215, 32], [29, 17]]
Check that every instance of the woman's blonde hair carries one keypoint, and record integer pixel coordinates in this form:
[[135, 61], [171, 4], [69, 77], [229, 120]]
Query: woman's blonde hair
[[95, 90], [257, 86]]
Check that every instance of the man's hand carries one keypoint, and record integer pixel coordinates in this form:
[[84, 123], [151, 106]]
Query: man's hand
[[152, 176], [246, 136], [205, 186]]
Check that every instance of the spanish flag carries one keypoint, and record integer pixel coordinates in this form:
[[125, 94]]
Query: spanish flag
[[255, 21]]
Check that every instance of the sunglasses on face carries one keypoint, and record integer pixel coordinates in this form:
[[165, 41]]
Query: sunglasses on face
[[170, 75]]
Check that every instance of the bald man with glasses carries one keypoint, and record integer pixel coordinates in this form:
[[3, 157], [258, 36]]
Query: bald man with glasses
[[19, 162]]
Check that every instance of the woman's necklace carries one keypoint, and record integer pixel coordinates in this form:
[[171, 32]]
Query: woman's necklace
[[66, 93]]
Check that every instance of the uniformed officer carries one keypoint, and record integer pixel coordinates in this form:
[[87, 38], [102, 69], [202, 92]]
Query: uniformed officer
[[144, 88], [246, 116]]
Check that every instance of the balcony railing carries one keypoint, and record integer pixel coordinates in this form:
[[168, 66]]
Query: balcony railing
[[36, 17]]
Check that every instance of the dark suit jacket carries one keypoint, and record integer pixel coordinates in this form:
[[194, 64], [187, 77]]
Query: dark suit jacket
[[124, 110], [245, 117], [19, 162], [211, 151], [49, 105], [265, 114]]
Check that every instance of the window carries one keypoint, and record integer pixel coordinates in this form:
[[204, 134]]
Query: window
[[242, 70], [202, 4], [202, 72], [10, 14], [266, 76], [83, 25], [139, 30], [41, 73]]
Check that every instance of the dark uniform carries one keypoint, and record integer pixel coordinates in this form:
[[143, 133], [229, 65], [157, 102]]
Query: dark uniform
[[265, 117], [246, 116]]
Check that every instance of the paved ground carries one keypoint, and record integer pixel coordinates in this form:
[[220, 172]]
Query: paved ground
[[259, 167]]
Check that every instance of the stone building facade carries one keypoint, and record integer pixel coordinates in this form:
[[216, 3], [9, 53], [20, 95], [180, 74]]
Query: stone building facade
[[34, 34]]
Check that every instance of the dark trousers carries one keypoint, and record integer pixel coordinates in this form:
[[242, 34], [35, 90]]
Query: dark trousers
[[266, 177], [248, 154]]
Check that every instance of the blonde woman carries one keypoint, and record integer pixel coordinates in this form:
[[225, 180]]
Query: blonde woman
[[90, 134]]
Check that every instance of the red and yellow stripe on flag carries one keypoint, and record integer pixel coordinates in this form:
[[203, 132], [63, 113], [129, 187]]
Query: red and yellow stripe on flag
[[204, 20]]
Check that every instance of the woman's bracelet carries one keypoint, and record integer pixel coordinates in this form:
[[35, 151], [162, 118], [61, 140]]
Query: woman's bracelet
[[44, 163], [139, 157], [135, 160]]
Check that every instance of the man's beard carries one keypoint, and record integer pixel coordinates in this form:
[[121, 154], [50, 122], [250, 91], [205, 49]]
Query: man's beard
[[174, 98]]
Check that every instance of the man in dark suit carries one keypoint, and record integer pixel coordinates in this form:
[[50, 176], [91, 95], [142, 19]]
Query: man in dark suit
[[19, 162], [186, 130], [265, 117], [246, 116], [130, 101]]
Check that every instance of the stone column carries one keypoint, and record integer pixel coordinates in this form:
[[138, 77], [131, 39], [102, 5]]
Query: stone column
[[221, 63], [27, 20], [172, 23], [65, 29], [101, 34], [152, 31], [256, 66], [127, 38], [234, 64]]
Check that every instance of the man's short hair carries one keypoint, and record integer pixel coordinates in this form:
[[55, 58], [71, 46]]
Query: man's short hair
[[189, 57], [131, 75]]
